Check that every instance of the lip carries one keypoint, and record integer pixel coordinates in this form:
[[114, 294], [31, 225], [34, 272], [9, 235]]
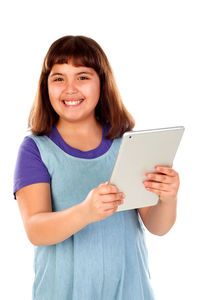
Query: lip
[[73, 99], [72, 106]]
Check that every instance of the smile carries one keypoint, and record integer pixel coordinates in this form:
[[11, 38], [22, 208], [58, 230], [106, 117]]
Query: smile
[[73, 102]]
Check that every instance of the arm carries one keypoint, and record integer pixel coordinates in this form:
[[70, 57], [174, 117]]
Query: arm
[[44, 227], [160, 218]]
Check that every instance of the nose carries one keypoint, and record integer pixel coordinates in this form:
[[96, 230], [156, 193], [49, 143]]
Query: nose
[[70, 87]]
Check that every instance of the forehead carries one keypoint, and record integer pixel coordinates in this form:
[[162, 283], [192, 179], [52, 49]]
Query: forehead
[[70, 68]]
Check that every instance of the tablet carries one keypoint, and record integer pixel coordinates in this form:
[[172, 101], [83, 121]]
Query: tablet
[[139, 153]]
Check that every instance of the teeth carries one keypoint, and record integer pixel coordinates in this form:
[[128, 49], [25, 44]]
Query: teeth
[[72, 102]]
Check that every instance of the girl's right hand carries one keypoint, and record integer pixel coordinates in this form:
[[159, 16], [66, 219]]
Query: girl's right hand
[[102, 202]]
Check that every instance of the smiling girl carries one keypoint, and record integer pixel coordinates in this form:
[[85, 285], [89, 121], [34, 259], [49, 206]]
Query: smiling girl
[[84, 249]]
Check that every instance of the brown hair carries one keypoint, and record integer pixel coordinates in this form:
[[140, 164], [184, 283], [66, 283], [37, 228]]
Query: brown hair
[[82, 51]]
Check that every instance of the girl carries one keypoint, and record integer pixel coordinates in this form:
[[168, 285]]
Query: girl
[[84, 249]]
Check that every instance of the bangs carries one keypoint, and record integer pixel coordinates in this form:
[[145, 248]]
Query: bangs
[[75, 50]]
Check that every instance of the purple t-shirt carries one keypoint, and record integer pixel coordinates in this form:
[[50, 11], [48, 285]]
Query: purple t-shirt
[[30, 167]]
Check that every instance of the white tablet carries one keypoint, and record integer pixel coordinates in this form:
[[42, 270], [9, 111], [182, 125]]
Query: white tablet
[[139, 153]]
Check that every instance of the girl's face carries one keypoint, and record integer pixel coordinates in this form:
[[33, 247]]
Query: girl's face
[[73, 91]]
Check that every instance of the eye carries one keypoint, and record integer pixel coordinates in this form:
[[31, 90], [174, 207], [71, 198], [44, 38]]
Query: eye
[[58, 79], [83, 78]]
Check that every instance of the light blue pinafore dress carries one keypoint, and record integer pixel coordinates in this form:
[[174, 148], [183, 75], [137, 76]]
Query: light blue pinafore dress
[[106, 260]]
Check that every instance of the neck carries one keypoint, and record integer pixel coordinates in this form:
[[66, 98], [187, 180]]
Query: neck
[[81, 128]]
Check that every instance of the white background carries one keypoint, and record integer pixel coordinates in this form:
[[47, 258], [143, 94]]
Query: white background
[[154, 50]]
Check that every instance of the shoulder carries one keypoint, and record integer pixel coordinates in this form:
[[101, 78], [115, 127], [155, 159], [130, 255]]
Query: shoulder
[[29, 145], [29, 149], [29, 166]]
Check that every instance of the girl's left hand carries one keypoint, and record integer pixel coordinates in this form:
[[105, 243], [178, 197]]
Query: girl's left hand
[[164, 183]]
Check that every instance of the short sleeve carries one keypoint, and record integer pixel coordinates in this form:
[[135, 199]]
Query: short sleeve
[[29, 167]]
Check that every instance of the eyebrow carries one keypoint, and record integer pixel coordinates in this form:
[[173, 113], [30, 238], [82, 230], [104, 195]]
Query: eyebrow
[[79, 73]]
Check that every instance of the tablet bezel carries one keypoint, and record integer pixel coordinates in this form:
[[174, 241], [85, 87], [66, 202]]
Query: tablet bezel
[[150, 198]]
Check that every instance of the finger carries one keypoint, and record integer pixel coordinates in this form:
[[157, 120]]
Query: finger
[[159, 177], [112, 197], [159, 192], [157, 185], [166, 170], [111, 210], [112, 207], [108, 189], [103, 183]]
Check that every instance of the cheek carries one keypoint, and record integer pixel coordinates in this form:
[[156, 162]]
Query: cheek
[[94, 91], [54, 93]]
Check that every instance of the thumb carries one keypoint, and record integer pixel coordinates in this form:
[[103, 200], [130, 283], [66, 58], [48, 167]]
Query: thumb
[[103, 183]]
